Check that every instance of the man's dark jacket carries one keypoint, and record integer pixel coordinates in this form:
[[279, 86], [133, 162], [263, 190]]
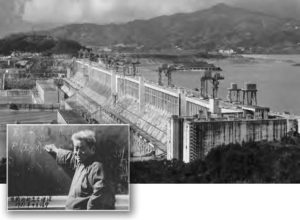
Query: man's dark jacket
[[88, 189]]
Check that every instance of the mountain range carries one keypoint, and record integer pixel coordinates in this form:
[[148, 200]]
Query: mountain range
[[219, 27]]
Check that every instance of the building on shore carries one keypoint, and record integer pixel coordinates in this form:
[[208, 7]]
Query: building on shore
[[47, 92]]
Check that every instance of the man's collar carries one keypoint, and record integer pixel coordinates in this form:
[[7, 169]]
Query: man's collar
[[89, 160]]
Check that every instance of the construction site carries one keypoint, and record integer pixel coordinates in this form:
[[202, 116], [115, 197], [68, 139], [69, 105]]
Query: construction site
[[168, 122]]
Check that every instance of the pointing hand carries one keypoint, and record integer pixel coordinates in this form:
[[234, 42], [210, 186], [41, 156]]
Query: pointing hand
[[51, 148]]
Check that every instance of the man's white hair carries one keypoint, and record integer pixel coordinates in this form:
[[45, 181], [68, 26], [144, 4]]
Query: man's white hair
[[86, 135]]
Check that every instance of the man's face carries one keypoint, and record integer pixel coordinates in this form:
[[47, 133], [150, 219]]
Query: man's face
[[82, 151]]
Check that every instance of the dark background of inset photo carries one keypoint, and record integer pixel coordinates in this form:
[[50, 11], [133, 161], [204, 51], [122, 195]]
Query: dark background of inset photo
[[2, 154], [33, 171]]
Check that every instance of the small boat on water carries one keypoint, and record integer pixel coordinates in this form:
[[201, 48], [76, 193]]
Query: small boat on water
[[196, 66]]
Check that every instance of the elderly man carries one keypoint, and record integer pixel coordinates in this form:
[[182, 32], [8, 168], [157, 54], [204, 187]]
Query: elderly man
[[88, 189]]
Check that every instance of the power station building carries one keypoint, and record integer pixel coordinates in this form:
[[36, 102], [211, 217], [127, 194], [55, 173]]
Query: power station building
[[192, 138], [47, 92]]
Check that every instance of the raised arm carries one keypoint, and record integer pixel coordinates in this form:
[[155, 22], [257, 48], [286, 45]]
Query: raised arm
[[63, 157], [102, 197]]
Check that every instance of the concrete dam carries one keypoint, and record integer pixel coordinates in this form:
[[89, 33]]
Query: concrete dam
[[166, 122]]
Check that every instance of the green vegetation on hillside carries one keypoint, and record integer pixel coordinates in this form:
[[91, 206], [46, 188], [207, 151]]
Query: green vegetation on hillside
[[38, 43], [250, 163]]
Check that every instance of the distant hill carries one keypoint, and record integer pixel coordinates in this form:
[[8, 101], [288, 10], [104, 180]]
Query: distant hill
[[15, 26], [38, 43], [219, 27]]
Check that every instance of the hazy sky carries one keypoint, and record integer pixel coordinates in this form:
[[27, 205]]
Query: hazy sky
[[105, 11]]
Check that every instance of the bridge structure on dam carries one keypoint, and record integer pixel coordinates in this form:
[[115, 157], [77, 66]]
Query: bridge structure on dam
[[166, 122]]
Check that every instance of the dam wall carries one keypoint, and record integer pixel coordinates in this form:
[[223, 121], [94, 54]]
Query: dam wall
[[163, 118], [192, 139], [109, 98], [108, 83]]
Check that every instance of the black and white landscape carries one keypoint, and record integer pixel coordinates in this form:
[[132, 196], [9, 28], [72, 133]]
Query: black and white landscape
[[210, 89]]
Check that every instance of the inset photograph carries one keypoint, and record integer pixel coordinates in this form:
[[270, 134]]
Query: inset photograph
[[68, 167]]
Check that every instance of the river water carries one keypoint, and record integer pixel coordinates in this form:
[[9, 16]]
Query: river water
[[277, 78]]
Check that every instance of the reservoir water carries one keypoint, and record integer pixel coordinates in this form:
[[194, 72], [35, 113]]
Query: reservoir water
[[277, 78]]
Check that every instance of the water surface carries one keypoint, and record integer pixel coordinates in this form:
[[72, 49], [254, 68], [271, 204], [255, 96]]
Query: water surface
[[276, 76]]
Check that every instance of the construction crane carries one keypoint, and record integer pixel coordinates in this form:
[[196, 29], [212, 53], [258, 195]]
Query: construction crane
[[134, 64], [215, 84], [160, 71], [167, 70], [213, 78], [234, 93], [130, 66], [204, 79], [210, 76]]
